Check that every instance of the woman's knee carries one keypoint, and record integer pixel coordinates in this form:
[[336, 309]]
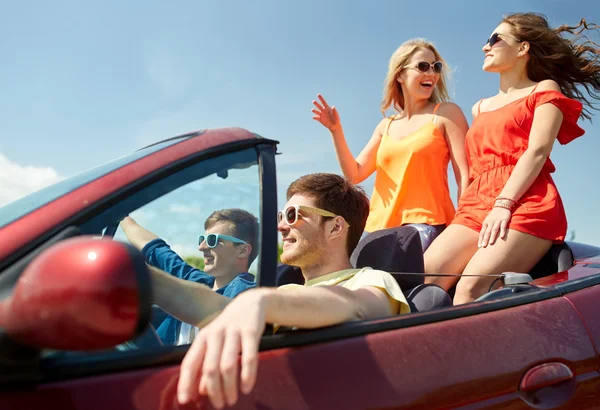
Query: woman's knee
[[450, 252], [435, 260], [438, 259], [470, 288]]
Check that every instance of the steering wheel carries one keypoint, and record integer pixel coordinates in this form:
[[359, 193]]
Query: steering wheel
[[111, 230]]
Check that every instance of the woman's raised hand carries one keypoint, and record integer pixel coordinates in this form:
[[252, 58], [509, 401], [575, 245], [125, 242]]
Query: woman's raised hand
[[326, 115]]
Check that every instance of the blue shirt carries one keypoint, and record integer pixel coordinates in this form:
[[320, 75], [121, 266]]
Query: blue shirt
[[157, 253]]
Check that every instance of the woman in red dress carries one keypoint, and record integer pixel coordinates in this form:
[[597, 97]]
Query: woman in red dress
[[511, 212]]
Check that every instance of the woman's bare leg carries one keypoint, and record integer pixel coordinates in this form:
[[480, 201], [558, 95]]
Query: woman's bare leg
[[519, 252], [450, 252]]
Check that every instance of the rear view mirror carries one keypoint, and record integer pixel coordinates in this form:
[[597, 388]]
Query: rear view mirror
[[80, 294]]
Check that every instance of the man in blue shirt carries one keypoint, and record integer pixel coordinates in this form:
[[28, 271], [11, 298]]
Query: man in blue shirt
[[229, 246]]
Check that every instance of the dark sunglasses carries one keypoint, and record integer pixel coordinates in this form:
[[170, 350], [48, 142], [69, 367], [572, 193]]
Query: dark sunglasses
[[424, 66], [212, 239], [494, 38]]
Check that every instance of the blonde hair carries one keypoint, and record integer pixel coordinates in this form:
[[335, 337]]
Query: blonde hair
[[392, 92]]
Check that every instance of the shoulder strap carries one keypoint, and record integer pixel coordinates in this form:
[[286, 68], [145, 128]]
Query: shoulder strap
[[479, 106], [387, 129], [435, 110], [536, 86]]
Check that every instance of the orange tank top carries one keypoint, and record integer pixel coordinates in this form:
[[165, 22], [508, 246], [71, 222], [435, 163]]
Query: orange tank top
[[411, 179]]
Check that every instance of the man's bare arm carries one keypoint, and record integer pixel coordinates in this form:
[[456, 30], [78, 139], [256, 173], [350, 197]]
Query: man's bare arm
[[326, 305], [137, 235], [211, 364], [189, 302]]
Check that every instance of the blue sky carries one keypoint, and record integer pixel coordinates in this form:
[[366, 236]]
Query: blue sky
[[84, 82]]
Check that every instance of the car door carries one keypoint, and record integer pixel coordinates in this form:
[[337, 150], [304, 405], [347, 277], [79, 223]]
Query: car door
[[586, 299], [528, 351]]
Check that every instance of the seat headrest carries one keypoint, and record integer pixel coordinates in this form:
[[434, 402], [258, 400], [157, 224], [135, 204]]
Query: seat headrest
[[392, 250], [286, 274], [558, 259]]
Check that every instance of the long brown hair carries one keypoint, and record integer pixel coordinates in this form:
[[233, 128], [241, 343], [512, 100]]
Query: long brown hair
[[571, 62], [392, 92]]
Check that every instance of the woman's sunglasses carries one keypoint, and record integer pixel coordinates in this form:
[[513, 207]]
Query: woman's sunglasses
[[212, 239], [290, 214], [424, 66], [494, 38]]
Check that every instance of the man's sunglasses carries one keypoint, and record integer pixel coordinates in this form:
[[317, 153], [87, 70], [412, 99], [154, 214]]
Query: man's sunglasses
[[290, 214], [424, 66], [212, 239], [494, 38]]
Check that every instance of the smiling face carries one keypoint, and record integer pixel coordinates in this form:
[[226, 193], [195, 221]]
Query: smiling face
[[225, 258], [304, 242], [505, 53], [419, 85]]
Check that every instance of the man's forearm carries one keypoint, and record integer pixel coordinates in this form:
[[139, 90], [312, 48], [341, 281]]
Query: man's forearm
[[317, 307], [189, 302], [137, 235]]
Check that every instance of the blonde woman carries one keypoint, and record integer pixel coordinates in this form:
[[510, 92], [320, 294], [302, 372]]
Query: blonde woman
[[409, 151]]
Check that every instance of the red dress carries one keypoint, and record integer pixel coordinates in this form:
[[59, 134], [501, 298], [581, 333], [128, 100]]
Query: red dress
[[494, 143]]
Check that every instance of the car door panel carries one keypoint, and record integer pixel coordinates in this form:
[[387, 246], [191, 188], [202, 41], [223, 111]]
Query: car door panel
[[470, 362], [586, 303], [448, 363]]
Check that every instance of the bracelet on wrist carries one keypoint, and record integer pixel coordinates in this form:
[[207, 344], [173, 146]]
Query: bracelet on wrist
[[503, 205], [509, 201]]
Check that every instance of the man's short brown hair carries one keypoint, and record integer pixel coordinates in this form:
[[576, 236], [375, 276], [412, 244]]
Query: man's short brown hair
[[336, 194], [244, 226]]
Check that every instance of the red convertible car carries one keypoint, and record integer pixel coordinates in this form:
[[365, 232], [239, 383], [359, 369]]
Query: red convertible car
[[76, 319]]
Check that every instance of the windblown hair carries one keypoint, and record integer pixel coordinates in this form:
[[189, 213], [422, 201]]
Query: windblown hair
[[336, 194], [570, 61], [392, 92]]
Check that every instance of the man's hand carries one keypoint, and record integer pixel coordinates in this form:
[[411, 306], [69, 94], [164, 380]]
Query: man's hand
[[210, 366], [137, 235]]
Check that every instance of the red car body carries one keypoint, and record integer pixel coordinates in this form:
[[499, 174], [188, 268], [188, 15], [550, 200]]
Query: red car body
[[536, 349]]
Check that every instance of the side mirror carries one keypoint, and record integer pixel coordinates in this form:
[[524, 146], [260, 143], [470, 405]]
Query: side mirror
[[80, 294]]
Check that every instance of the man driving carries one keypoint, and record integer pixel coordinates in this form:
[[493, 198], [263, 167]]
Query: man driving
[[229, 246]]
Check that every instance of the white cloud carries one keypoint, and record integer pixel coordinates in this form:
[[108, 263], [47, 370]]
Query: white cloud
[[19, 180], [184, 209]]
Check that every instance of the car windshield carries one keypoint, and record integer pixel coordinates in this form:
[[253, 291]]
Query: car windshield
[[29, 203]]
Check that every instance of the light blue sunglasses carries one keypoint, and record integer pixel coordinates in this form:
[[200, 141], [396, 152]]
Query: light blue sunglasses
[[212, 239]]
